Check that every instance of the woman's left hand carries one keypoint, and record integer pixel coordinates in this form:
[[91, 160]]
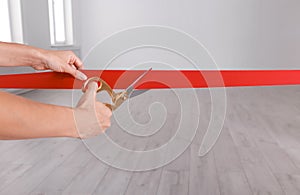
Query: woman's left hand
[[62, 61]]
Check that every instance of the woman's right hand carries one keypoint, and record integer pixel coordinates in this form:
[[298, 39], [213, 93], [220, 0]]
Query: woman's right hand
[[91, 117]]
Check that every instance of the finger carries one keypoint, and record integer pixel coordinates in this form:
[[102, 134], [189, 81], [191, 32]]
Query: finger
[[106, 125], [76, 73], [104, 109], [91, 89], [89, 97], [77, 62]]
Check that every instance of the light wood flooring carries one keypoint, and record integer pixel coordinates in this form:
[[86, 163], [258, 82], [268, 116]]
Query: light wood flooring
[[258, 151]]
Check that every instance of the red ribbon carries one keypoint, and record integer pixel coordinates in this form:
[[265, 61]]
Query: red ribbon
[[120, 79]]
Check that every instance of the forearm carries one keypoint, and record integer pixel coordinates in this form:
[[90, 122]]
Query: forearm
[[13, 54], [21, 118]]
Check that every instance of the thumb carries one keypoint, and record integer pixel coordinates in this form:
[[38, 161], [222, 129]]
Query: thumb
[[74, 72], [91, 90], [89, 97]]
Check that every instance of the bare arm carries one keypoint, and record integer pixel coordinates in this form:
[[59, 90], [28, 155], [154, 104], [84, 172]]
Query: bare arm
[[13, 54], [21, 118]]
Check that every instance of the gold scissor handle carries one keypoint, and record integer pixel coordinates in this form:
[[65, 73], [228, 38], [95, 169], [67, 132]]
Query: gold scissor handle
[[117, 98]]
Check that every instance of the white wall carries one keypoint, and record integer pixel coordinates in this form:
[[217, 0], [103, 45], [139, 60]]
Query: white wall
[[240, 34], [35, 23]]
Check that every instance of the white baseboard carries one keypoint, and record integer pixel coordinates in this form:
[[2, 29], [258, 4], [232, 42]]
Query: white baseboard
[[17, 91]]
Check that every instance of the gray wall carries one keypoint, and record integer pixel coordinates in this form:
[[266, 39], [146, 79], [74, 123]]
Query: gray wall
[[35, 23], [248, 34]]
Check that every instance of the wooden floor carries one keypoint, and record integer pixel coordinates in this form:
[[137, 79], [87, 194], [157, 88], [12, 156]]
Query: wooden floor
[[258, 151]]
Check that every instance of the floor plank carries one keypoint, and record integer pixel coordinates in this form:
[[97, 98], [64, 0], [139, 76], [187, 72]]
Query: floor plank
[[11, 172], [230, 172], [203, 176], [86, 181], [62, 176], [175, 176]]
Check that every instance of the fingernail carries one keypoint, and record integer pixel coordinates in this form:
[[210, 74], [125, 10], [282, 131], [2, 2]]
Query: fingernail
[[82, 76]]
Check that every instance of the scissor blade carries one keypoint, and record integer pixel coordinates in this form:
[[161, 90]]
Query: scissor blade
[[131, 87], [137, 92]]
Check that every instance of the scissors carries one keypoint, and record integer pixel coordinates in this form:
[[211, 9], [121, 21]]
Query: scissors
[[117, 98]]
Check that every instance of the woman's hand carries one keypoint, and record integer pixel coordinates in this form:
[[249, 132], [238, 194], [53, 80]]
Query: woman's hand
[[13, 54], [61, 61], [91, 117], [21, 118]]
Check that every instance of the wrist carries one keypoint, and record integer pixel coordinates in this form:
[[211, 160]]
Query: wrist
[[65, 124], [40, 57], [71, 128]]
